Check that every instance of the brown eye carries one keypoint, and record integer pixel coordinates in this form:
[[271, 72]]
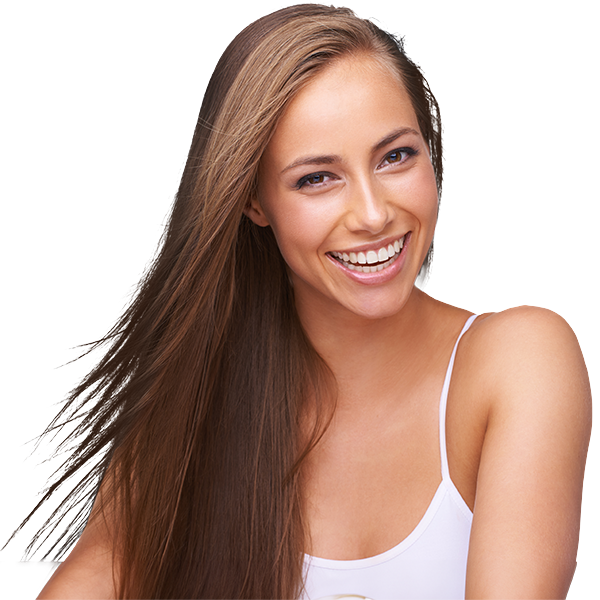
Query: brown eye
[[399, 156], [317, 178], [313, 179]]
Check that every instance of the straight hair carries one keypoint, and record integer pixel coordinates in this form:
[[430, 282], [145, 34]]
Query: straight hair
[[193, 423]]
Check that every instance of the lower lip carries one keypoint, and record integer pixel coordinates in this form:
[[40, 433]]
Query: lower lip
[[379, 276]]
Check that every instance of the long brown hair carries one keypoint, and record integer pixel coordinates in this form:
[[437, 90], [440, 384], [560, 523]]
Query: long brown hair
[[192, 420]]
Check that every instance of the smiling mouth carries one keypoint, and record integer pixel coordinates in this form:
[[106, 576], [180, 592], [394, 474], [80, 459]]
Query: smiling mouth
[[373, 260]]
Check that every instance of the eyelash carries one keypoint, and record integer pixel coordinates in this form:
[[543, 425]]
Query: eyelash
[[405, 150]]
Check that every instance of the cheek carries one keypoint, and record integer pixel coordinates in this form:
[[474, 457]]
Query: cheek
[[424, 191], [422, 197], [302, 232], [298, 234]]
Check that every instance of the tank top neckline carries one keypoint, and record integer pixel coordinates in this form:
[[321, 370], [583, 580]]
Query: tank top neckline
[[445, 487]]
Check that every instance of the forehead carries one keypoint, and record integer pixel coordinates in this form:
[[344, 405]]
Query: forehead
[[354, 99]]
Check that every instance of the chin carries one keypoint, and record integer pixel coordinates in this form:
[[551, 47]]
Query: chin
[[339, 302], [376, 310]]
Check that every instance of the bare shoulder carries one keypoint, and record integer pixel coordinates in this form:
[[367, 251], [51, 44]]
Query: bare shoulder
[[87, 572], [527, 349], [524, 325], [527, 368]]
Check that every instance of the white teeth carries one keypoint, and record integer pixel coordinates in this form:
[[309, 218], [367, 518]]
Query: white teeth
[[372, 268], [384, 256], [372, 257]]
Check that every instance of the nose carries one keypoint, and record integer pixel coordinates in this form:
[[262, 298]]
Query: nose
[[368, 208]]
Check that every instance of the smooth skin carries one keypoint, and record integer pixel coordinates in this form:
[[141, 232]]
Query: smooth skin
[[519, 407], [347, 169]]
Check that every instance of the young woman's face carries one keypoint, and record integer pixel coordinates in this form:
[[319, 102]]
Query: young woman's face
[[347, 185]]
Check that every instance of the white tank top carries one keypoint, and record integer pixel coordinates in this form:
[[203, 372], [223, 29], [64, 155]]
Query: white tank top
[[430, 563]]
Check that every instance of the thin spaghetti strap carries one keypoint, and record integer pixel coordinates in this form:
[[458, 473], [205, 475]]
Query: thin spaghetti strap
[[444, 402]]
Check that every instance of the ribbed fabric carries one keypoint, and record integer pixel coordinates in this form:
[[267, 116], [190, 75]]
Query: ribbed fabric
[[430, 563]]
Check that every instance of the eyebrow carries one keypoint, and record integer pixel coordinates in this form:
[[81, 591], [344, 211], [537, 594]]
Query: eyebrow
[[329, 159]]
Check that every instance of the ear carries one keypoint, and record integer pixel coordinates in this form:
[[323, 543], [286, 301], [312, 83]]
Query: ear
[[255, 213]]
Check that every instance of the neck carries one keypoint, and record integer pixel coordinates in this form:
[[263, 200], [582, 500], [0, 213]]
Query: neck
[[370, 357]]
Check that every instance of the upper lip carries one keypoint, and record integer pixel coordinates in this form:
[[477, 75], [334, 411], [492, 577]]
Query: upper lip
[[374, 245]]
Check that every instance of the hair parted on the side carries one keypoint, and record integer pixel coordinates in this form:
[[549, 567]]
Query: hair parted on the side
[[192, 420]]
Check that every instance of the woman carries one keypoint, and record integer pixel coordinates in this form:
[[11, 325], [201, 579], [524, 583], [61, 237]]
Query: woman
[[283, 411]]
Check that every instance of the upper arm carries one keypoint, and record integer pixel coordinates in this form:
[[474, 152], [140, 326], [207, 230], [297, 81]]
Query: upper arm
[[87, 572], [528, 500]]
